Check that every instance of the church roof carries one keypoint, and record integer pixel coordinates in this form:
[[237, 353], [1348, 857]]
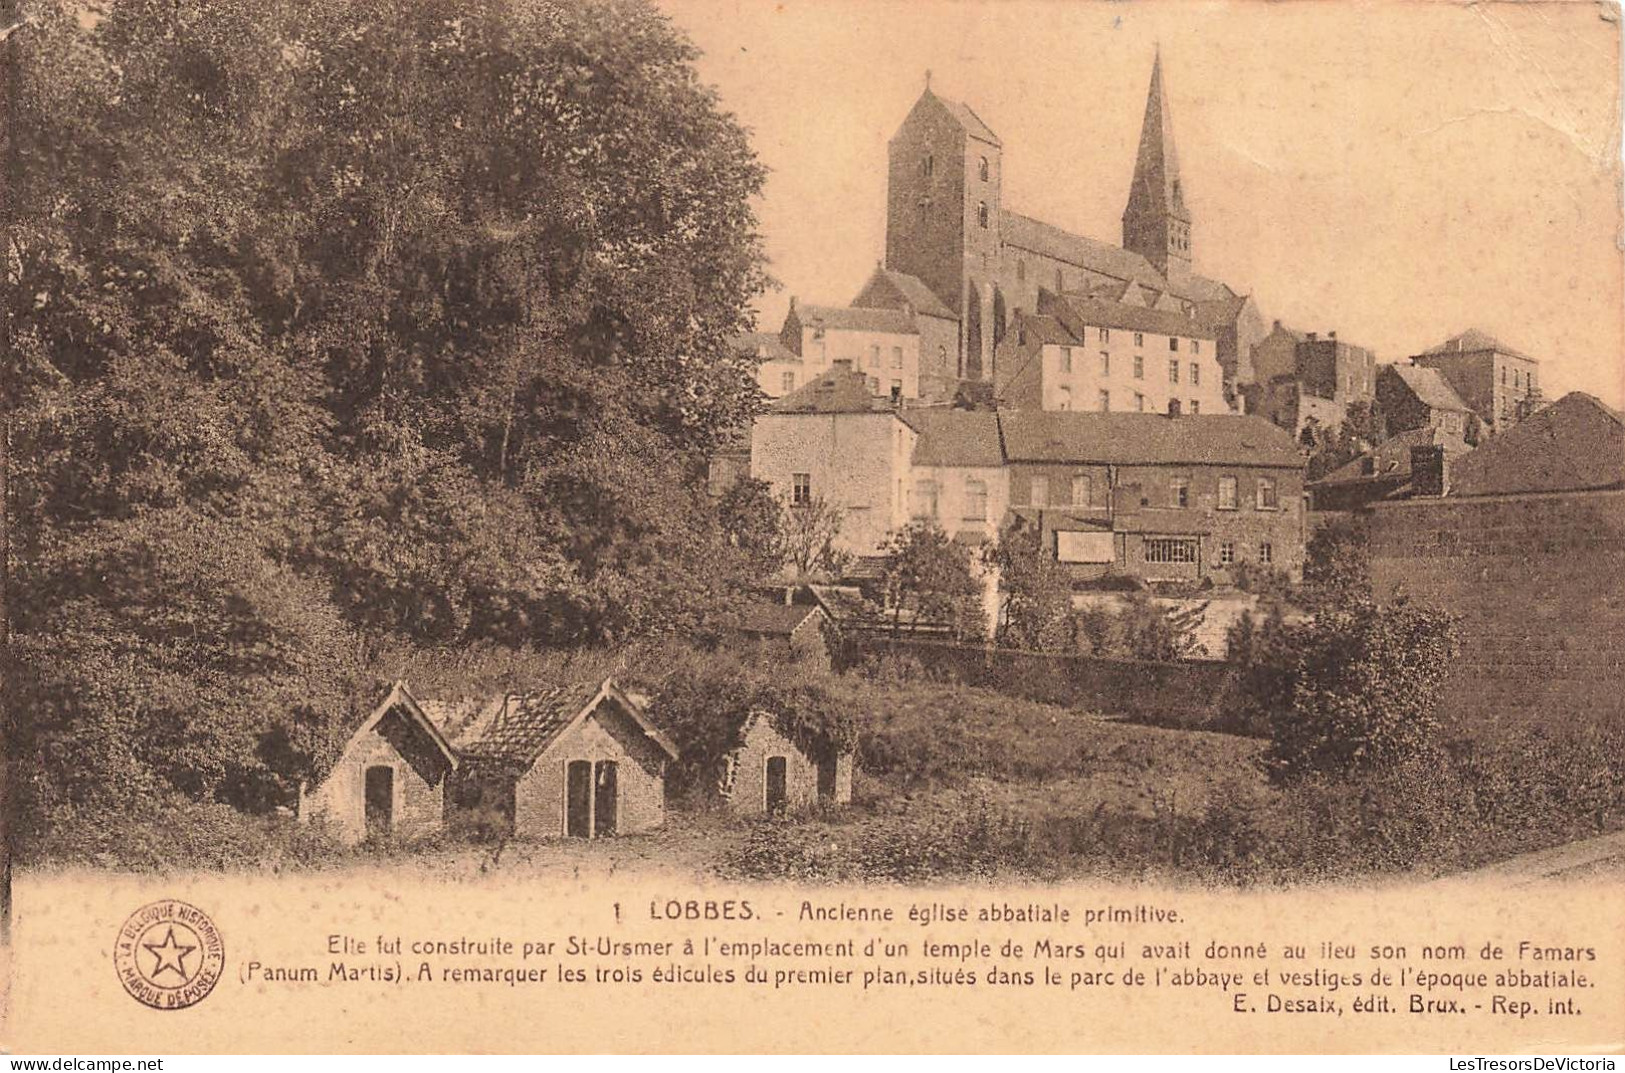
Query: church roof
[[1103, 258], [1429, 386], [858, 319], [1471, 341], [1576, 443], [1156, 168], [910, 289], [966, 117]]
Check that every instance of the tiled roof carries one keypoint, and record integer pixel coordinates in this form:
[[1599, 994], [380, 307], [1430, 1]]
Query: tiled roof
[[955, 437], [913, 291], [1097, 313], [1097, 256], [775, 620], [765, 345], [858, 319], [1473, 340], [838, 391], [526, 724], [1391, 459], [1129, 439], [1575, 443], [1430, 387]]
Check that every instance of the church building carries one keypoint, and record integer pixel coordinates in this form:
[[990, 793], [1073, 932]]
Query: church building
[[950, 235]]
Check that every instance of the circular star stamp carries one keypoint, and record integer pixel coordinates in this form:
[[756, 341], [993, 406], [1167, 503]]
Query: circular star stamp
[[169, 955]]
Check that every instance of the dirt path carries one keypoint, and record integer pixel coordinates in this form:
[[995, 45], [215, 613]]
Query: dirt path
[[1592, 858]]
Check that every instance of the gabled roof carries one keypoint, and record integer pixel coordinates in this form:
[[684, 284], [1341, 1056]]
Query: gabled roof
[[528, 724], [400, 699], [1429, 386], [1472, 341], [1574, 444], [776, 619], [955, 437], [837, 391], [766, 346], [1391, 459], [966, 117], [1103, 258], [1148, 439], [1096, 313], [908, 289], [858, 319]]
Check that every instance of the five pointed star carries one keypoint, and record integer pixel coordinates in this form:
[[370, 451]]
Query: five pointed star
[[170, 954]]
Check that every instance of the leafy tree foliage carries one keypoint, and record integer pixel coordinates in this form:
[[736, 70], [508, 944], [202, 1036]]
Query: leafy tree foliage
[[930, 576], [345, 324], [1035, 593]]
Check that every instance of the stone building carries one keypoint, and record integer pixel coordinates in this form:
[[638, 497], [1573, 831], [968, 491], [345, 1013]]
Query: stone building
[[771, 771], [1299, 378], [882, 344], [1080, 352], [1415, 397], [1528, 547], [1385, 471], [1500, 384], [948, 228], [779, 370], [390, 780], [579, 761]]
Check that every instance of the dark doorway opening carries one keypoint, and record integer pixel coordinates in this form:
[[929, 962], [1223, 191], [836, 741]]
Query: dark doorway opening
[[778, 784], [379, 795], [606, 799], [578, 799], [826, 779]]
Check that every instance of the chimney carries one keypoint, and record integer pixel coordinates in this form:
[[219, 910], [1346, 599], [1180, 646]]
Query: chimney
[[792, 303], [1428, 476], [1277, 325], [1332, 336], [1313, 336]]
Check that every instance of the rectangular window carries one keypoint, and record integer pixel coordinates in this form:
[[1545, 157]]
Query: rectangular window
[[1196, 346], [1139, 339], [874, 385], [1196, 375], [1227, 493], [874, 357], [1170, 550], [1105, 401], [1105, 364], [1266, 553], [1066, 359], [1266, 494], [1173, 370], [1196, 407], [975, 501], [1063, 398], [1139, 402], [1105, 335], [1082, 490], [925, 499], [896, 389], [1173, 342], [1181, 492], [1227, 552], [896, 357], [788, 382], [1139, 367], [800, 489], [1040, 492]]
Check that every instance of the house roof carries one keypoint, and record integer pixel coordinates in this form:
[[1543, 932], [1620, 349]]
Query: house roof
[[527, 724], [1391, 459], [842, 603], [400, 698], [910, 289], [955, 437], [776, 619], [838, 391], [1574, 444], [1472, 341], [858, 319], [1429, 386], [1096, 312], [767, 346], [1148, 439]]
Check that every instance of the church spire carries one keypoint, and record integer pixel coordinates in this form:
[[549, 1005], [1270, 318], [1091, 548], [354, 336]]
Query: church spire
[[1156, 223]]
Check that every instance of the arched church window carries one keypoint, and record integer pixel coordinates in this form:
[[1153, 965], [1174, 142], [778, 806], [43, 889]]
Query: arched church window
[[928, 165], [982, 169], [981, 214]]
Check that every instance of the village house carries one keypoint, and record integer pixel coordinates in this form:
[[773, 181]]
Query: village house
[[771, 771], [1385, 471], [881, 344], [936, 323], [1158, 498], [390, 779], [1415, 396], [779, 370], [799, 632], [1135, 353], [581, 761], [1301, 378], [1499, 383]]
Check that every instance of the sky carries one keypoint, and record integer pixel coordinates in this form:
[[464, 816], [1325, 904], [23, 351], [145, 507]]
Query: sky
[[1393, 171]]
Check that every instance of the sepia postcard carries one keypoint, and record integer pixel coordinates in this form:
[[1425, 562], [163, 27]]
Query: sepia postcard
[[768, 526]]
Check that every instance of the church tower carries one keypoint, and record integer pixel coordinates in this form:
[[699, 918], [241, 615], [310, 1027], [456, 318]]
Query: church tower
[[1156, 223], [943, 216]]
